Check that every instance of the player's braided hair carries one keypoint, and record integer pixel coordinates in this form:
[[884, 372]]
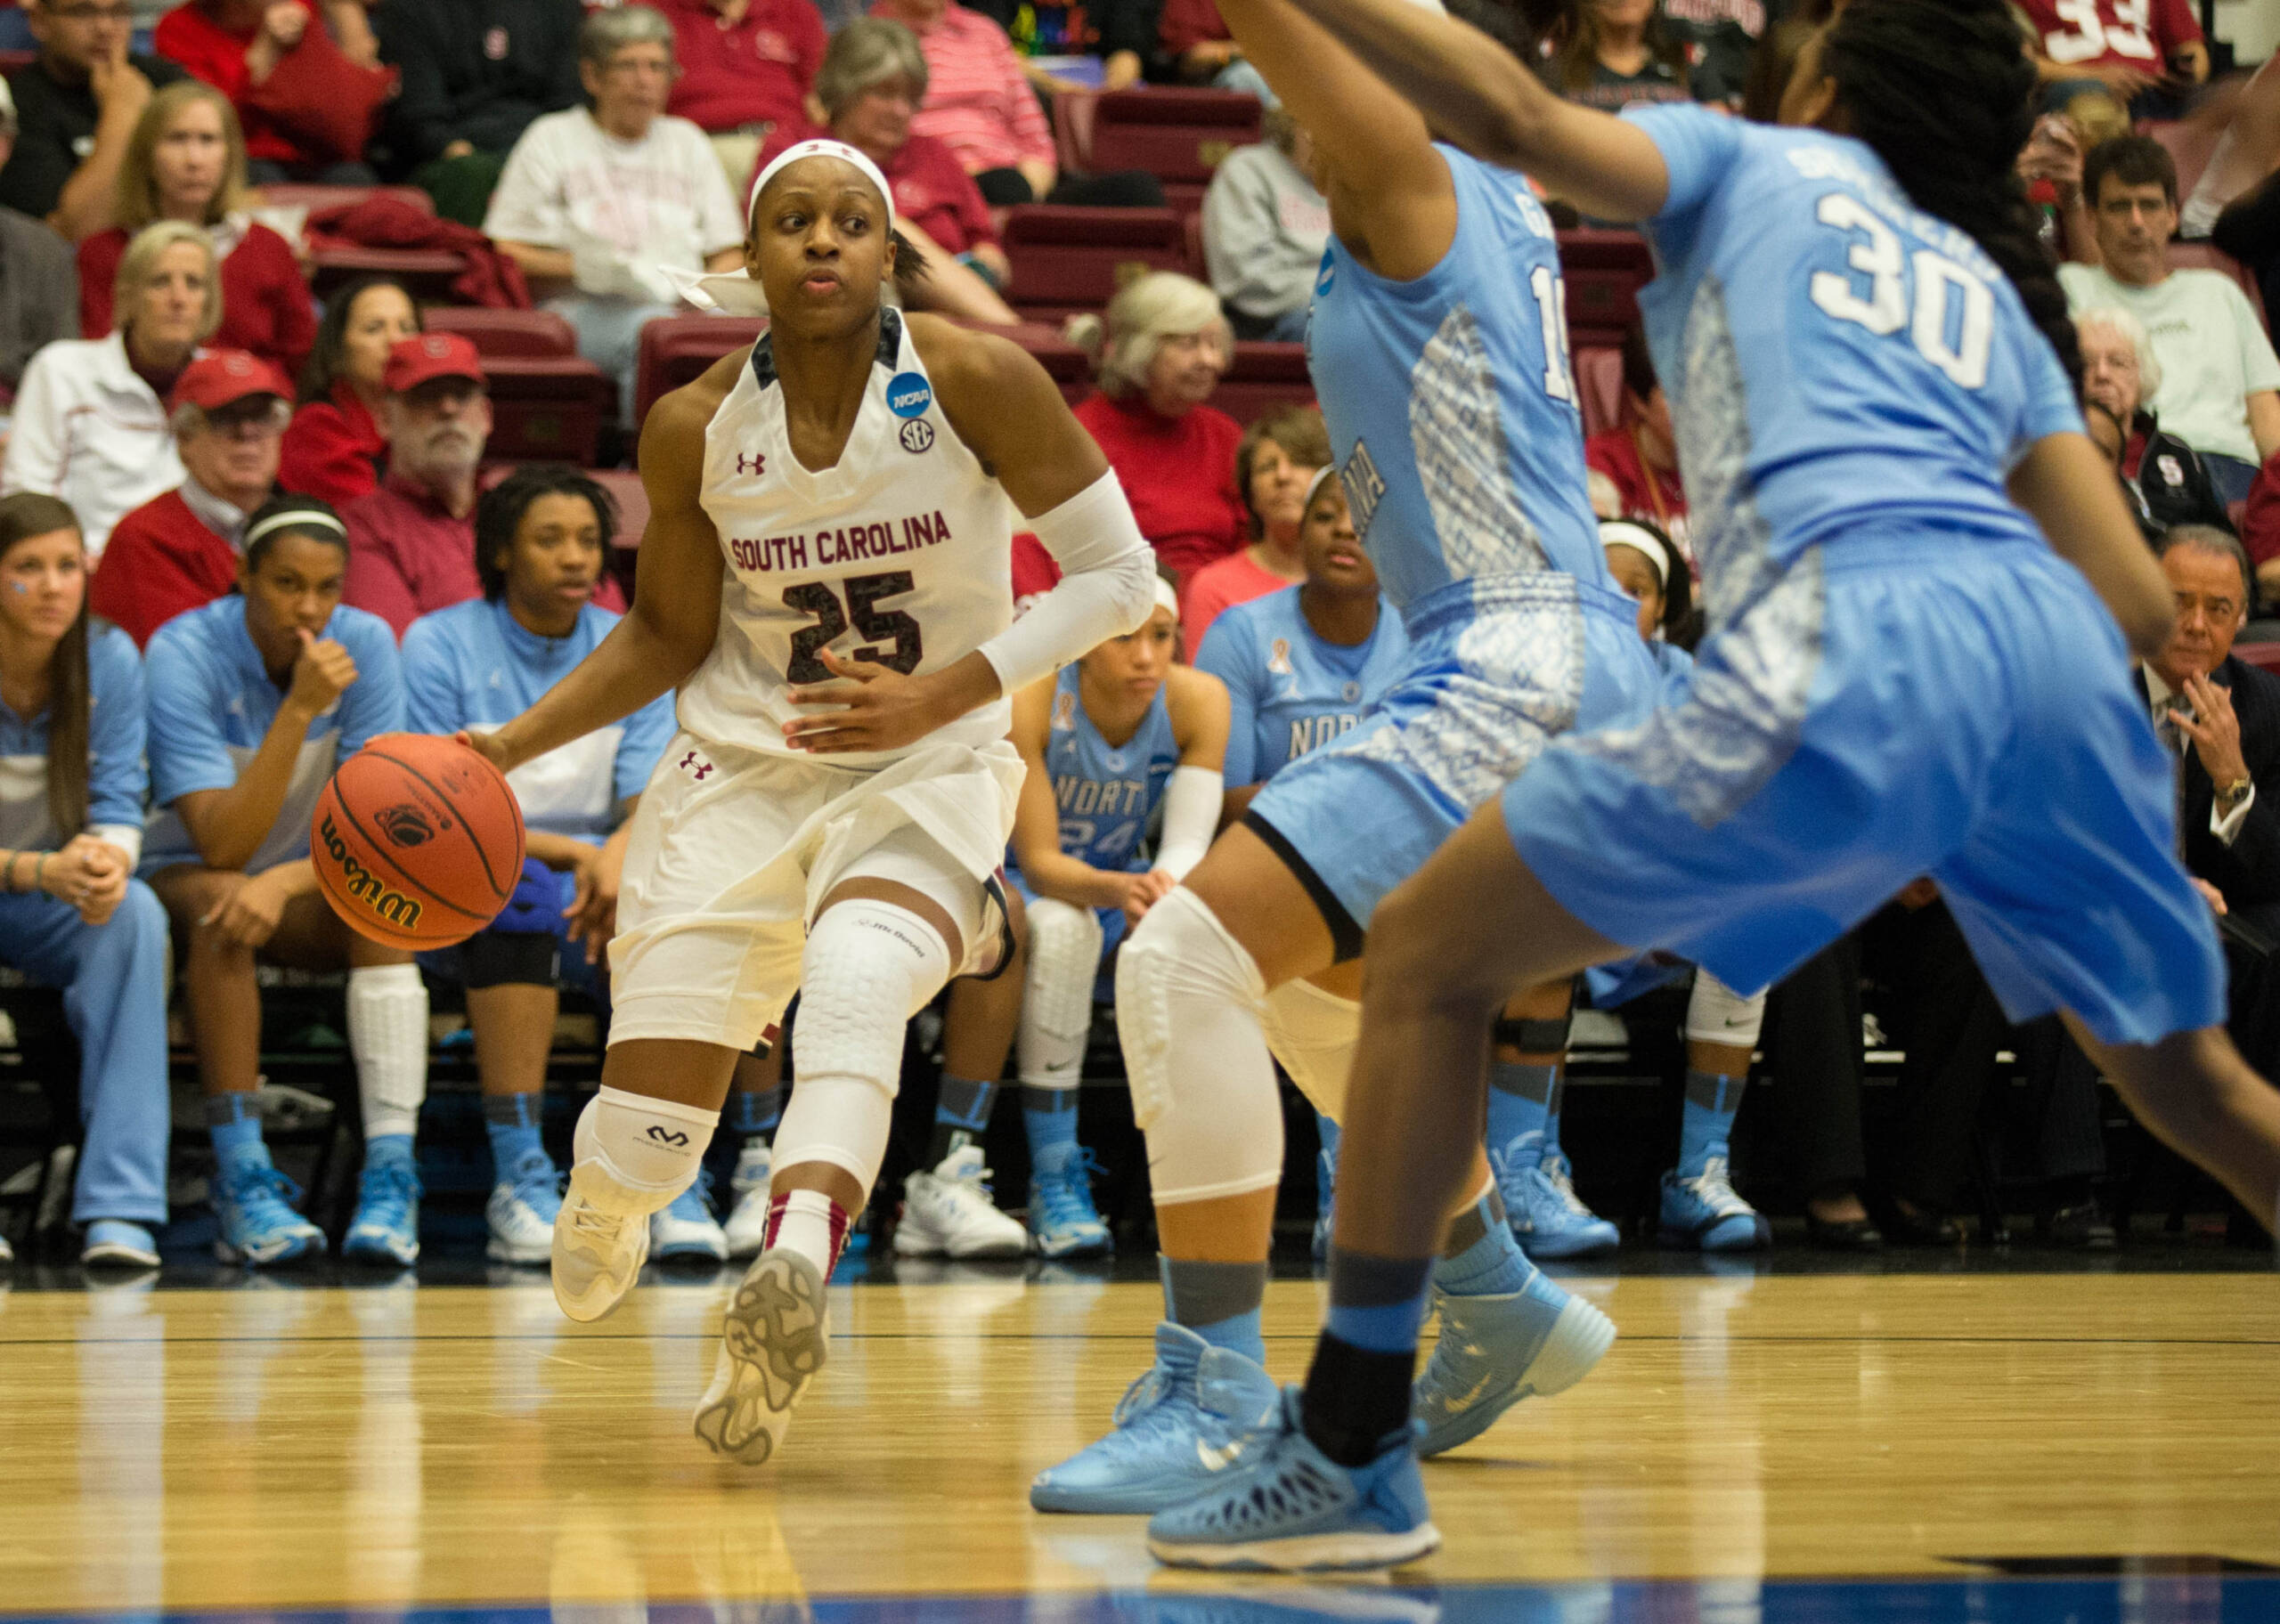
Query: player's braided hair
[[1942, 90]]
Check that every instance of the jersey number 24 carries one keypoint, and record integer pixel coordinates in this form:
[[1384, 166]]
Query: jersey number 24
[[1928, 312]]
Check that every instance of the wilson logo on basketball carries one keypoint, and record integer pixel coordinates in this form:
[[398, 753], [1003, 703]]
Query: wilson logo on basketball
[[406, 825], [365, 886]]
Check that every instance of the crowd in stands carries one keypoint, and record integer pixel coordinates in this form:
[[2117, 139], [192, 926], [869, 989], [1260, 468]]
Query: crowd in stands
[[246, 528]]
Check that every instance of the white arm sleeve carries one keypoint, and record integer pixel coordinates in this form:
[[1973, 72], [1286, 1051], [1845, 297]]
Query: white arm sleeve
[[1107, 587], [1191, 818]]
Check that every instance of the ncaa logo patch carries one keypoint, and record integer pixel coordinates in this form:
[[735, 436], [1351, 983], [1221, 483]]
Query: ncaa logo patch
[[909, 395], [917, 436]]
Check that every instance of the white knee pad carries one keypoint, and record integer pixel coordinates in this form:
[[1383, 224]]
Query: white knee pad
[[1057, 999], [632, 1155], [1313, 1032], [868, 968], [1188, 1002], [1717, 1014]]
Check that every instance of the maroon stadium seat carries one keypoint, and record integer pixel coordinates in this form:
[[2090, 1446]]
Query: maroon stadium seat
[[625, 489], [1067, 260], [547, 408], [1177, 136], [1263, 376], [538, 333], [676, 350], [2266, 656], [1064, 363], [1604, 272]]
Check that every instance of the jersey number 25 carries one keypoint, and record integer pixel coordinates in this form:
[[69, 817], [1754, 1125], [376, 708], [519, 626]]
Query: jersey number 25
[[1928, 313], [816, 598]]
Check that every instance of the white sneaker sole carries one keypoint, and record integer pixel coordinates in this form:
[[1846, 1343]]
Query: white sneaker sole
[[525, 1254], [1307, 1554], [921, 1239], [775, 1336], [1580, 1338]]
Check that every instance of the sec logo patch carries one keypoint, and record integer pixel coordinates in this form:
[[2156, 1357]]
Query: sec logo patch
[[917, 436]]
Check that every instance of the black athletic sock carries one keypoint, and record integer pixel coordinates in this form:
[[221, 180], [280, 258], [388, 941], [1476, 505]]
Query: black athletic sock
[[961, 1115], [1355, 1399]]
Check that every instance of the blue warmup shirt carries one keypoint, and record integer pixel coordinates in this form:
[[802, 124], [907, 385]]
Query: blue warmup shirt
[[212, 703], [1450, 404], [1105, 794], [116, 777], [474, 665], [1288, 689], [1833, 354]]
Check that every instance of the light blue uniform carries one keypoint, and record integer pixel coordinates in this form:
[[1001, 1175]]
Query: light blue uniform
[[1452, 417], [1900, 678], [113, 975], [211, 705], [1106, 795], [474, 665], [1288, 691]]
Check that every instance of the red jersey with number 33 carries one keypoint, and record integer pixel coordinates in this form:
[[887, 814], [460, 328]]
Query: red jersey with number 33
[[2138, 33], [900, 554]]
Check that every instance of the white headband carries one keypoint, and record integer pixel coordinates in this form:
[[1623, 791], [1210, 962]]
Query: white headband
[[1314, 486], [303, 518], [1166, 599], [1638, 538], [839, 149]]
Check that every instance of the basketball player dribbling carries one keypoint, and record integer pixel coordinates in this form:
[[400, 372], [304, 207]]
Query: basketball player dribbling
[[827, 578]]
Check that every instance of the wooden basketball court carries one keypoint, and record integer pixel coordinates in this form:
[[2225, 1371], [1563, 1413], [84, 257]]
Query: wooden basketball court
[[263, 1446]]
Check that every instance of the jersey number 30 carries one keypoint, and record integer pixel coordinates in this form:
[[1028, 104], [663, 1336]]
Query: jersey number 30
[[816, 598], [1930, 315]]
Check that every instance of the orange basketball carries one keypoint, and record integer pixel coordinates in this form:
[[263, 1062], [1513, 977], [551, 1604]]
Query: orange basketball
[[418, 840]]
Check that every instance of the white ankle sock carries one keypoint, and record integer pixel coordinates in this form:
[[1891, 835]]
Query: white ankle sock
[[387, 1035], [810, 1223]]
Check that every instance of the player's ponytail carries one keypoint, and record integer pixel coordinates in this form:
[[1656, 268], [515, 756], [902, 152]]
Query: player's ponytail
[[1942, 90]]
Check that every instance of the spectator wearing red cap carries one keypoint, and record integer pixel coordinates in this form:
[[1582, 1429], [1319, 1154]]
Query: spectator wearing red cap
[[186, 161], [181, 550], [412, 542], [334, 448]]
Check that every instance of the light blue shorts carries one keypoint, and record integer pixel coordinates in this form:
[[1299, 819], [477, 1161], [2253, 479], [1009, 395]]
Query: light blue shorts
[[1899, 703], [1497, 669]]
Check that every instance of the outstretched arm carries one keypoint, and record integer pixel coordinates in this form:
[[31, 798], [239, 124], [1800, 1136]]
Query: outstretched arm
[[1481, 98], [676, 609], [1391, 200]]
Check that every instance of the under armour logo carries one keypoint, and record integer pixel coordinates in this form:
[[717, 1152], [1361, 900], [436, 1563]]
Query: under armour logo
[[759, 464], [665, 1136], [702, 769]]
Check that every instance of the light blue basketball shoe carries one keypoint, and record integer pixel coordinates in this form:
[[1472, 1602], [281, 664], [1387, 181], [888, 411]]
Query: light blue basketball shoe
[[1062, 1221], [1175, 1430], [1286, 1506], [385, 1228], [1702, 1209], [254, 1202], [1495, 1350], [1548, 1218]]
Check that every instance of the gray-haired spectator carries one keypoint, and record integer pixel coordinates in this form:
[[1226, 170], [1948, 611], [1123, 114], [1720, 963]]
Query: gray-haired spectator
[[39, 283], [2121, 372], [90, 423], [1160, 352], [1265, 226], [597, 208], [2220, 379]]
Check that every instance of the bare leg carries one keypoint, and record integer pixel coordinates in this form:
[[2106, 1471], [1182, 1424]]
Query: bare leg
[[2201, 1099], [1417, 1098], [514, 1030]]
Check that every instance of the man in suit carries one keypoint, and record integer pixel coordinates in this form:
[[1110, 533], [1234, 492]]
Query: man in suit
[[2222, 717]]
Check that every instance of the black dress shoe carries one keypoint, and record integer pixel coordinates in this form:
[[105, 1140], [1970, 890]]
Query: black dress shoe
[[1903, 1228], [1843, 1234], [2079, 1228]]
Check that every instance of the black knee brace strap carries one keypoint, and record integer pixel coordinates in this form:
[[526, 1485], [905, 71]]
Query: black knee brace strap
[[512, 958], [1531, 1037]]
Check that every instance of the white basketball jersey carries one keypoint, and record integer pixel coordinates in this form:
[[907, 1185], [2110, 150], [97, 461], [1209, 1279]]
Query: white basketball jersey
[[901, 554]]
